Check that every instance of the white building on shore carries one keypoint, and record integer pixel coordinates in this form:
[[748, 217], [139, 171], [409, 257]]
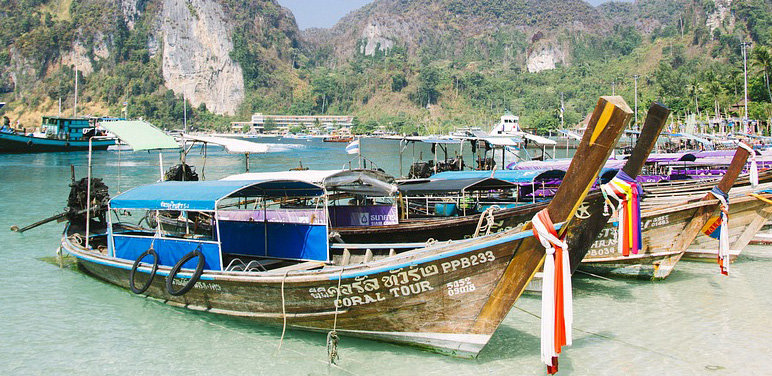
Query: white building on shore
[[322, 123]]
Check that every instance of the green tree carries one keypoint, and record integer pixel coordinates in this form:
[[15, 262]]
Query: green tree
[[269, 125], [398, 82], [762, 59], [427, 92]]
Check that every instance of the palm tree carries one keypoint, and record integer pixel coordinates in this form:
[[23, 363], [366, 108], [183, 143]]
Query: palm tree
[[762, 58], [694, 89], [715, 90]]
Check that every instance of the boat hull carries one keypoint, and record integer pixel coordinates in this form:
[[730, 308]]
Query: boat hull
[[665, 233], [15, 143], [422, 298]]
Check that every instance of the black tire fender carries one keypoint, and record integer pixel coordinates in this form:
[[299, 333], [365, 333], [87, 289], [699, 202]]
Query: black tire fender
[[193, 279], [132, 273]]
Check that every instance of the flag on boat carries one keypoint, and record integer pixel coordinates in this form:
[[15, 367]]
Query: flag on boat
[[353, 147]]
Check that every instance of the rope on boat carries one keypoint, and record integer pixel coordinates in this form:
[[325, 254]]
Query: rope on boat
[[486, 215], [431, 241], [76, 238], [332, 336], [283, 310]]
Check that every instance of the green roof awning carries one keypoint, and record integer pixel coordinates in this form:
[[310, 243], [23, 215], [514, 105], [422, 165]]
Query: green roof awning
[[140, 135]]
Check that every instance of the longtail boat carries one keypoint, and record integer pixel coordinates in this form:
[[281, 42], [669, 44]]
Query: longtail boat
[[667, 231], [446, 297], [750, 208]]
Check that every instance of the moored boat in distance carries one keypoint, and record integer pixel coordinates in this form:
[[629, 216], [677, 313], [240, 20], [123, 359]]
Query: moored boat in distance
[[446, 297], [338, 138], [56, 134]]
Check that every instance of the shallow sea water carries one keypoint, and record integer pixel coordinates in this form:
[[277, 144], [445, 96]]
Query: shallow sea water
[[59, 322]]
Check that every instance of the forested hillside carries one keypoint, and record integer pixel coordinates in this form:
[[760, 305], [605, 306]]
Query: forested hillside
[[420, 65]]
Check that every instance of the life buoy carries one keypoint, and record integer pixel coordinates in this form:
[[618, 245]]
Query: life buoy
[[134, 267], [29, 142], [193, 279]]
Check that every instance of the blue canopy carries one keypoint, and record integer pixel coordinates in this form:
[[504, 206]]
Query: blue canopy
[[512, 176], [204, 195]]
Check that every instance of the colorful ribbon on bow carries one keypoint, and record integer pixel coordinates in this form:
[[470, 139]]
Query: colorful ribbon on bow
[[754, 170], [628, 193], [557, 313], [722, 225]]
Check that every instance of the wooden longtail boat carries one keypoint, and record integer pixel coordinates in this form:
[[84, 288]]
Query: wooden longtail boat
[[446, 297], [749, 210], [667, 231]]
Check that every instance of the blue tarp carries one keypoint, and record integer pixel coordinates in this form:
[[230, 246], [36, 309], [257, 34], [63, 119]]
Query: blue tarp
[[512, 176], [169, 250], [285, 240], [203, 195]]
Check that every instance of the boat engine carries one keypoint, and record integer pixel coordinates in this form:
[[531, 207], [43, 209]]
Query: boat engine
[[181, 172], [76, 202], [419, 170]]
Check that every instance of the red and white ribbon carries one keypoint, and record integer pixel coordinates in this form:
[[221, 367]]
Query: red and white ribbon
[[723, 237], [557, 314], [754, 170]]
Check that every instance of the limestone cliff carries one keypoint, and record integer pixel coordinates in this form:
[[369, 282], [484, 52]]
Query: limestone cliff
[[455, 27], [545, 56], [721, 12], [196, 44]]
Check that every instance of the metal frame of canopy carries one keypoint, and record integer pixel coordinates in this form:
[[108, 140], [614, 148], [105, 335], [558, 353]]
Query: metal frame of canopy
[[428, 187], [139, 135], [231, 146], [494, 141], [208, 196], [375, 186], [519, 177]]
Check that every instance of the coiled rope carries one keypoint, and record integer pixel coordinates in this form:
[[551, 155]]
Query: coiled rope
[[486, 215], [283, 310]]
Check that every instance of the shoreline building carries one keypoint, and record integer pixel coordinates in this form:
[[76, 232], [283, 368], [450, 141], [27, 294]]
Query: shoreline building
[[312, 123]]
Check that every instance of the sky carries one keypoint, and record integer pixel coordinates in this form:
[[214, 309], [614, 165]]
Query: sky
[[325, 13]]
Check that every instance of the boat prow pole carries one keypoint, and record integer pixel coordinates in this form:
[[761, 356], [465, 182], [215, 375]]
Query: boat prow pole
[[733, 171], [608, 120], [703, 214], [581, 237], [652, 126]]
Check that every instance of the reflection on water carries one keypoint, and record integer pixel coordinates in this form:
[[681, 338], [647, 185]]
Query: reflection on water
[[58, 321]]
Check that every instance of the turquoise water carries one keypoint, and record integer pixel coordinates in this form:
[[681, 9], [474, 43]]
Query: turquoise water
[[56, 321]]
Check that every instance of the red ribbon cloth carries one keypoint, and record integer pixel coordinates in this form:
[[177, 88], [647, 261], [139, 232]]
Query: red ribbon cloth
[[627, 192], [557, 298]]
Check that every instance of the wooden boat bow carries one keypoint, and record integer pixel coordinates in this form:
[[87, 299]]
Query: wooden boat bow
[[608, 120]]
